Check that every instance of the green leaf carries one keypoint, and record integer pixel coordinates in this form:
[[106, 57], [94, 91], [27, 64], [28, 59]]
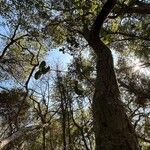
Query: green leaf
[[114, 26], [81, 12], [42, 65], [78, 91], [62, 50], [37, 74], [45, 70]]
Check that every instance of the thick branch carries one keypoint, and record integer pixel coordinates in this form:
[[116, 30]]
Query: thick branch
[[146, 38], [139, 10], [102, 16], [136, 7]]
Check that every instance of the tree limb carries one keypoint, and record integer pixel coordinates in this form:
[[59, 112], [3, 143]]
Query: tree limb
[[102, 16], [12, 41], [134, 7], [19, 134], [138, 10]]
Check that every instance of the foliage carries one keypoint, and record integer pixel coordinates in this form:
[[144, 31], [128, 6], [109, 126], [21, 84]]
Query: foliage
[[42, 70], [63, 98]]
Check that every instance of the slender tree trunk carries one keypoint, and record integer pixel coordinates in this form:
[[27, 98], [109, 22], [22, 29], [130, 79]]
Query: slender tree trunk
[[113, 130], [63, 109], [64, 127]]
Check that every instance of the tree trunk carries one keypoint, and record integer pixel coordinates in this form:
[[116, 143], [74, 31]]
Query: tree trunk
[[113, 130]]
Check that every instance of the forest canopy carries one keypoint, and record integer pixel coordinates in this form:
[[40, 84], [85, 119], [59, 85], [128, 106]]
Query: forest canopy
[[75, 75]]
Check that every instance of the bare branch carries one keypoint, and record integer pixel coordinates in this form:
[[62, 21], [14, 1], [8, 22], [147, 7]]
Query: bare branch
[[21, 133], [12, 41]]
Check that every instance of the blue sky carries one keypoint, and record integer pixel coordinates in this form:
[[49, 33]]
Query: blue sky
[[56, 57]]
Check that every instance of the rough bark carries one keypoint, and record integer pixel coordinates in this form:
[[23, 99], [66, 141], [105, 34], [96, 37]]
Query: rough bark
[[113, 130]]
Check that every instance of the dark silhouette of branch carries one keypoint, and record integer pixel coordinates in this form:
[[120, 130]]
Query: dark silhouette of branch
[[138, 10], [133, 7], [12, 41], [132, 89], [144, 139], [102, 16], [130, 35]]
